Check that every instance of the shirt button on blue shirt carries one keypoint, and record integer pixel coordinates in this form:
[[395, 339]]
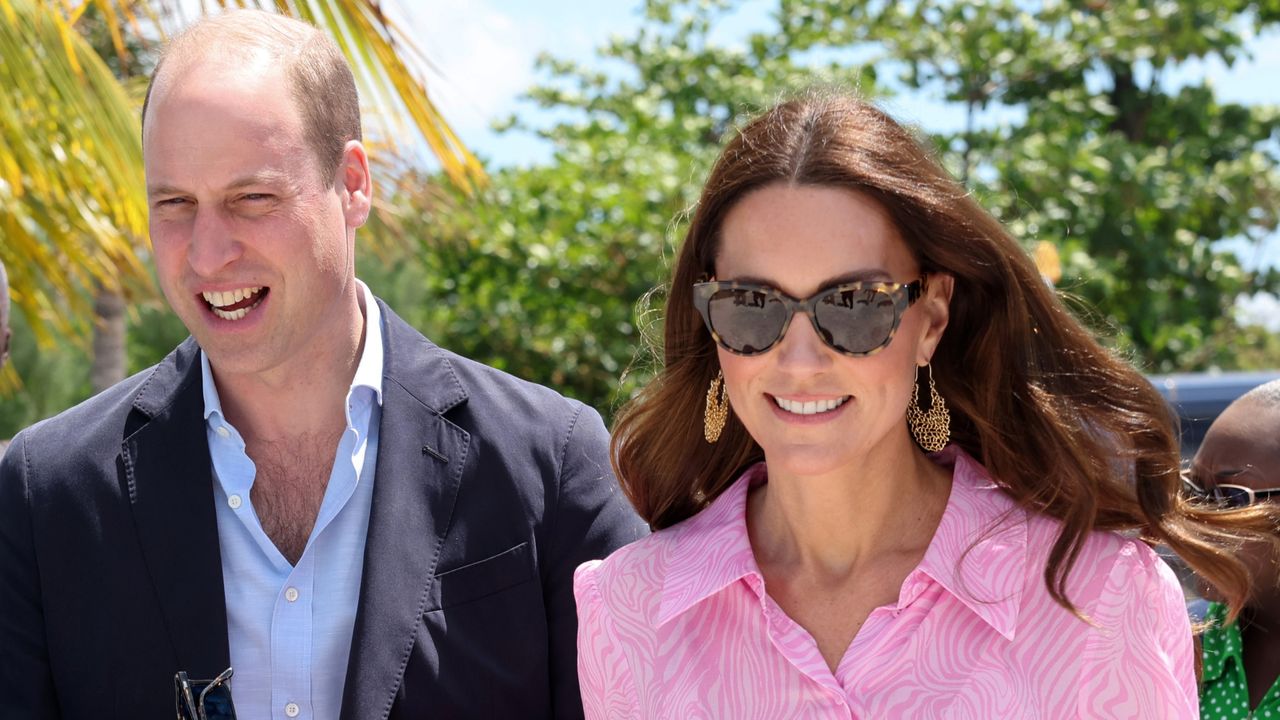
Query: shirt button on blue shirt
[[291, 594], [234, 501], [291, 710], [223, 432]]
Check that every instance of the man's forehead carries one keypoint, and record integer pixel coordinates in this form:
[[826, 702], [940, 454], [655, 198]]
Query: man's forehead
[[222, 121], [216, 82], [1247, 428]]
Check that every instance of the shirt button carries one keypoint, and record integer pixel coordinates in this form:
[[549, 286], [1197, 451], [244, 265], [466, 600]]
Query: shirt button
[[291, 710], [234, 501], [223, 432], [291, 594]]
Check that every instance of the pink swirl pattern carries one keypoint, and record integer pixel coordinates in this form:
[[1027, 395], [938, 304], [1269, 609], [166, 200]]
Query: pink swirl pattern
[[678, 625]]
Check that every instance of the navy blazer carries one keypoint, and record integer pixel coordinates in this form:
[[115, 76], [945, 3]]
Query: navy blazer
[[489, 491]]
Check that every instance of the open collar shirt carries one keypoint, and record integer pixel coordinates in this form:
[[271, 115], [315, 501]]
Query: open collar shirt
[[290, 627], [680, 625]]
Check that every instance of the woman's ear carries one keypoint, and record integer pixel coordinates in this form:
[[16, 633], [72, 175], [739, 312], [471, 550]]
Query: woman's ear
[[936, 307]]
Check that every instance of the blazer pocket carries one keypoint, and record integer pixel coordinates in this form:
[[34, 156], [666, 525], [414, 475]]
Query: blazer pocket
[[481, 578]]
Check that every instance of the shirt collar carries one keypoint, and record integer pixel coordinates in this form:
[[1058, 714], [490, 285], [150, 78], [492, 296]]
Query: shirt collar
[[711, 550], [978, 553], [368, 370], [1220, 643]]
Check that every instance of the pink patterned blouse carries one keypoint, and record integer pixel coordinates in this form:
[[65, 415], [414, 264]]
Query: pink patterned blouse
[[678, 625]]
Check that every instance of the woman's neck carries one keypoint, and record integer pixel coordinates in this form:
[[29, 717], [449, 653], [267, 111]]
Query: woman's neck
[[834, 524]]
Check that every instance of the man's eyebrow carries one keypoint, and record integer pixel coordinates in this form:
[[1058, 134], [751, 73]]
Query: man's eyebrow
[[267, 177], [153, 190], [264, 177]]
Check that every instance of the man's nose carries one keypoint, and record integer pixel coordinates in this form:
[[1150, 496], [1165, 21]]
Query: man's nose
[[213, 244]]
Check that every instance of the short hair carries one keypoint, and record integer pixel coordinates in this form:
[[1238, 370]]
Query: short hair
[[1267, 394], [320, 80]]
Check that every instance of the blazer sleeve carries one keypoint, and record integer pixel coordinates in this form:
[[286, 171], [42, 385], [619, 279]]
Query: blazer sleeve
[[592, 518], [1140, 661], [26, 684]]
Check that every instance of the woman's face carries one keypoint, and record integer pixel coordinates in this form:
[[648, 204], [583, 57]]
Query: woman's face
[[802, 239]]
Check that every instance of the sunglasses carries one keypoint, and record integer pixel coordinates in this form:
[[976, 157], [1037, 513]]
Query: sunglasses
[[203, 699], [1226, 495], [857, 318]]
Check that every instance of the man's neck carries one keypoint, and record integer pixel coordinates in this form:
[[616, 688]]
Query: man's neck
[[306, 397]]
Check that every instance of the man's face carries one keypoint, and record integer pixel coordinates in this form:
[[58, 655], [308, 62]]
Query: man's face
[[254, 250], [1242, 447]]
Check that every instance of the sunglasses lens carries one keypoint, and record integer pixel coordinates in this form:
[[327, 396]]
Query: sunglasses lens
[[217, 704], [856, 321], [747, 320], [1233, 496]]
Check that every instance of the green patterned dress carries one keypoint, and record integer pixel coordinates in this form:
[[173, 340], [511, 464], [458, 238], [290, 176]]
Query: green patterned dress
[[1224, 694]]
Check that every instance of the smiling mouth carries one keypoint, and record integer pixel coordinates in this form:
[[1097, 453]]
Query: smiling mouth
[[235, 304], [812, 407]]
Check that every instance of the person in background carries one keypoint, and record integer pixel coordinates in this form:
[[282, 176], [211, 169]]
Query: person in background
[[1238, 466], [891, 475], [308, 492]]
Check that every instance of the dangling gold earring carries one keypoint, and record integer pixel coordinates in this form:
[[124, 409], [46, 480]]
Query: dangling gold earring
[[717, 409], [932, 430]]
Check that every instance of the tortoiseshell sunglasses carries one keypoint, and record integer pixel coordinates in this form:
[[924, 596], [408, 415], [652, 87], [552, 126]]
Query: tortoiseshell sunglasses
[[857, 318]]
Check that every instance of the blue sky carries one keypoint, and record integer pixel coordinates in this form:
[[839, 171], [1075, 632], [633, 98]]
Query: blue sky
[[483, 53]]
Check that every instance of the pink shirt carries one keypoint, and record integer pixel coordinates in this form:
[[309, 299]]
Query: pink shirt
[[678, 625]]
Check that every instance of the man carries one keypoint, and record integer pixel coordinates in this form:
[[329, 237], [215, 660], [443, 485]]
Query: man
[[360, 523], [1238, 465]]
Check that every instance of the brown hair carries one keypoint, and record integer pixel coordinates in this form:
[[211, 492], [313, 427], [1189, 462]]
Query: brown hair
[[320, 80], [1066, 428]]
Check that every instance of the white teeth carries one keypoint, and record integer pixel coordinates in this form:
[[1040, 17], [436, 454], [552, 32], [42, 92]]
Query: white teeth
[[223, 299], [218, 300], [233, 315], [812, 407]]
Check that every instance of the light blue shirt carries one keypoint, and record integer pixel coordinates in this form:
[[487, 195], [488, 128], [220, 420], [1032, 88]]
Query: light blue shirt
[[289, 628]]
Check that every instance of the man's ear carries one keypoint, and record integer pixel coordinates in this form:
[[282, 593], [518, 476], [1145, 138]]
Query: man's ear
[[936, 304], [355, 184], [4, 346]]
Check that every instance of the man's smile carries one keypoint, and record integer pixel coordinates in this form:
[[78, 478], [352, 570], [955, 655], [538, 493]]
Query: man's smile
[[235, 304]]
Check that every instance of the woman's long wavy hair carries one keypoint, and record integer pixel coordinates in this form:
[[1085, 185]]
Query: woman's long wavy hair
[[1067, 429]]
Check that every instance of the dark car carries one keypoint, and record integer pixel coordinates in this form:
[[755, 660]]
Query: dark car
[[1198, 398]]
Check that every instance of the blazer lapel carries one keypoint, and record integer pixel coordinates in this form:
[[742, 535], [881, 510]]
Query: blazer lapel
[[419, 470], [166, 463]]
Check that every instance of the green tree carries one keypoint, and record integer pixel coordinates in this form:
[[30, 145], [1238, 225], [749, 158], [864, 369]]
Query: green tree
[[544, 273], [72, 205], [1130, 176], [541, 273]]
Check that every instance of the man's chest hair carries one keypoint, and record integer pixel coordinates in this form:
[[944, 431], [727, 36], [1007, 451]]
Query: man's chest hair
[[289, 484]]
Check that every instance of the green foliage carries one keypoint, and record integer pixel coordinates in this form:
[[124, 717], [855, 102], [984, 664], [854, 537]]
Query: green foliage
[[543, 271], [1131, 180], [542, 274]]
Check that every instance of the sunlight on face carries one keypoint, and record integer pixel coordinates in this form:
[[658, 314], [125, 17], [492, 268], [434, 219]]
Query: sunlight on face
[[800, 239], [252, 248]]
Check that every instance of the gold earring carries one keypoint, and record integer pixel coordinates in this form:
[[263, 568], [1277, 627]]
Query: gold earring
[[717, 409], [932, 430]]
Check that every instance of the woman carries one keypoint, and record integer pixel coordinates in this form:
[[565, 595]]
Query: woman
[[1238, 466], [840, 306]]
